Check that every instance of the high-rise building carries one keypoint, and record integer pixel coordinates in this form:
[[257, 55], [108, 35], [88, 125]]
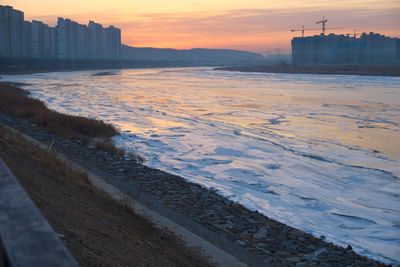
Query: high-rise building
[[398, 49], [73, 39], [375, 48], [83, 42], [27, 40], [113, 42], [95, 38], [11, 32], [105, 43], [335, 49], [37, 39], [68, 40], [50, 35], [53, 32], [62, 38], [43, 40]]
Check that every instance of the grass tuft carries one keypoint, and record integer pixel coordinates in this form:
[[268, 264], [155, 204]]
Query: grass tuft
[[16, 102]]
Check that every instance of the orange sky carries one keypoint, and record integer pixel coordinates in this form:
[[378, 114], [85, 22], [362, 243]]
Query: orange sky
[[255, 25]]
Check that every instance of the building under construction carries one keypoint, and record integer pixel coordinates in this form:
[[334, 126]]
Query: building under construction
[[334, 49]]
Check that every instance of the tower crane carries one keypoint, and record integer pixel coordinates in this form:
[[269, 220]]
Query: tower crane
[[303, 30], [323, 22]]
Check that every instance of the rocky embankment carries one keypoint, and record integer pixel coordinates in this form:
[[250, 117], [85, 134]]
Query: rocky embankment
[[250, 236]]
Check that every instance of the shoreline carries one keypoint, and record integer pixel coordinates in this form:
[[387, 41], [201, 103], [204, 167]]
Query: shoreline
[[391, 71], [203, 211], [29, 66], [99, 69]]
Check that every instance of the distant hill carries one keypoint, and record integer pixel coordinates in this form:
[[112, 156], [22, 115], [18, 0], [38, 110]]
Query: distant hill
[[197, 55]]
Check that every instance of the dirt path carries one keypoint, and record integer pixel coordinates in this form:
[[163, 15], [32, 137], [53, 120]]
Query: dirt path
[[97, 230]]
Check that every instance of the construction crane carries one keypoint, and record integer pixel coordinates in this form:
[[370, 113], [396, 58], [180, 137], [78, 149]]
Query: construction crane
[[303, 30], [323, 22]]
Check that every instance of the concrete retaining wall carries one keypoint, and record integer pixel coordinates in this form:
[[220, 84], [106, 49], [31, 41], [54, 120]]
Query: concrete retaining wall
[[27, 240]]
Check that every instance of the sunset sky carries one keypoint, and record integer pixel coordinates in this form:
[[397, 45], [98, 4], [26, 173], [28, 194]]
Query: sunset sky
[[255, 25]]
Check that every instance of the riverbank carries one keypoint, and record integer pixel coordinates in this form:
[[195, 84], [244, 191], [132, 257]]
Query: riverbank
[[28, 66], [335, 70], [252, 237], [96, 229]]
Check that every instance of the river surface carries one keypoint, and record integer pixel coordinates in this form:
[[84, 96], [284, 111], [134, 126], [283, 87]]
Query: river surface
[[317, 152]]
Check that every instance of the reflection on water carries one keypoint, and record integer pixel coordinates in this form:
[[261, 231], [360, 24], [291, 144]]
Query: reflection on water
[[318, 152]]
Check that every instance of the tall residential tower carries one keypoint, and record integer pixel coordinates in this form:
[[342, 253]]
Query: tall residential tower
[[11, 32], [68, 40]]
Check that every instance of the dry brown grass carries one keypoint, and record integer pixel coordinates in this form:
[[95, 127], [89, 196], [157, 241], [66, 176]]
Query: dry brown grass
[[16, 102], [107, 146]]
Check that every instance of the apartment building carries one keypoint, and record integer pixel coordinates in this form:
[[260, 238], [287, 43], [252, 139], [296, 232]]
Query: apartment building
[[68, 40], [11, 32], [332, 49]]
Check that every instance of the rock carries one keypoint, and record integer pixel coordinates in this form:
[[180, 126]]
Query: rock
[[61, 236], [227, 225], [294, 259], [316, 254], [240, 243], [261, 233], [349, 248], [283, 253]]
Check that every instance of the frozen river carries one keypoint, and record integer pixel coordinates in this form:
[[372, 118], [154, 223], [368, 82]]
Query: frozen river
[[317, 152]]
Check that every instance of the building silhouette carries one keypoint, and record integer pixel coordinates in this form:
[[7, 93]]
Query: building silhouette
[[27, 40], [68, 40], [332, 49], [77, 41], [67, 31], [43, 40], [11, 32]]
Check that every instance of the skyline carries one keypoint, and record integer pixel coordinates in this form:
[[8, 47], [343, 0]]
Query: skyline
[[258, 27]]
